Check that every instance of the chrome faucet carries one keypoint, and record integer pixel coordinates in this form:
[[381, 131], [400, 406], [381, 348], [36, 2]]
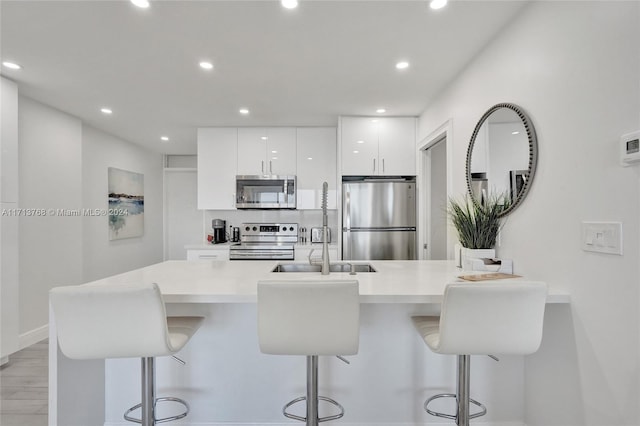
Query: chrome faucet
[[325, 234]]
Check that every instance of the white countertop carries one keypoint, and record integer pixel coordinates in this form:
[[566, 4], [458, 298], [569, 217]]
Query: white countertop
[[225, 246], [216, 281]]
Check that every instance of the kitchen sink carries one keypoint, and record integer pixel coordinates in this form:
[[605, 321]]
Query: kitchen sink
[[336, 267]]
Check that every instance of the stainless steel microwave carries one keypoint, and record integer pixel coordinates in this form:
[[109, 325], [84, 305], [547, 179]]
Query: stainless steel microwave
[[265, 192]]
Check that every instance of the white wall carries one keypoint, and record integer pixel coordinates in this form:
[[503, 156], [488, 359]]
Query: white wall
[[50, 177], [102, 257], [574, 67], [63, 165]]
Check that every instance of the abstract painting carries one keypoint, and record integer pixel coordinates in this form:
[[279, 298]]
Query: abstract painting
[[126, 204]]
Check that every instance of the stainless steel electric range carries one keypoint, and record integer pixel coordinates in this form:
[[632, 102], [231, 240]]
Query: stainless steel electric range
[[265, 241]]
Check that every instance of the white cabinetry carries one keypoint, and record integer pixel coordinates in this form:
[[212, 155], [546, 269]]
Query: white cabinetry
[[316, 152], [9, 315], [217, 158], [218, 253], [378, 146], [266, 151]]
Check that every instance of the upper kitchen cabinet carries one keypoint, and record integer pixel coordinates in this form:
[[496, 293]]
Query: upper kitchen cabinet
[[266, 151], [316, 151], [217, 158], [378, 146]]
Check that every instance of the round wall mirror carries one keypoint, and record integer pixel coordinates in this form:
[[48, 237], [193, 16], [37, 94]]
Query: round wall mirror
[[502, 156]]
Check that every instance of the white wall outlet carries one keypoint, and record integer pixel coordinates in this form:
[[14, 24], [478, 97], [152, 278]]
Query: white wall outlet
[[602, 237]]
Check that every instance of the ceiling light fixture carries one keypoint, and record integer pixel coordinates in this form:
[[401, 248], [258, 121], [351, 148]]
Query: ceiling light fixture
[[381, 110], [244, 111], [164, 138], [438, 4], [106, 110], [515, 133], [205, 65], [11, 65], [289, 4], [143, 4], [402, 65]]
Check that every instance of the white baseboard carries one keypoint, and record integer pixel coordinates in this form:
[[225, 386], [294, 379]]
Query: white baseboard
[[33, 336]]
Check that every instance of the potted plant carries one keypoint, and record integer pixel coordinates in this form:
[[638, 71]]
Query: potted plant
[[478, 225]]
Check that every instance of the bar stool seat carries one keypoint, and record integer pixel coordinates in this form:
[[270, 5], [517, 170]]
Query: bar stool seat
[[311, 318], [485, 318], [100, 321]]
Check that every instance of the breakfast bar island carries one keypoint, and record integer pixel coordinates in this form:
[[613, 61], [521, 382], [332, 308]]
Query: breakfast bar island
[[228, 381]]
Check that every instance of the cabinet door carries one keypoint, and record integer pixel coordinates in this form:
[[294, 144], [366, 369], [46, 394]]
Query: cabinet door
[[252, 151], [397, 146], [316, 151], [8, 141], [281, 151], [217, 158], [359, 141]]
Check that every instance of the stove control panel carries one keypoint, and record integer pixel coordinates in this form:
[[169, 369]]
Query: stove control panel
[[269, 232]]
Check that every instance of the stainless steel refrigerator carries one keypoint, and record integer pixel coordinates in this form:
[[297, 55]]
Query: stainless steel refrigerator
[[379, 219]]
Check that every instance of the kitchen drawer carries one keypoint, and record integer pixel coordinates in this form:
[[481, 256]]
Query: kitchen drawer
[[209, 254]]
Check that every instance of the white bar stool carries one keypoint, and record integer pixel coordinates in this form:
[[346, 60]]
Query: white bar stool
[[98, 321], [311, 318], [482, 319]]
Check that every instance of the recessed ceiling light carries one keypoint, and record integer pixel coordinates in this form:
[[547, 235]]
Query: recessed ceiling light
[[515, 133], [264, 138], [381, 110], [289, 4], [402, 65], [355, 152], [244, 111], [164, 138], [309, 158], [106, 110], [438, 4], [206, 65], [360, 142], [11, 65], [274, 152], [141, 3]]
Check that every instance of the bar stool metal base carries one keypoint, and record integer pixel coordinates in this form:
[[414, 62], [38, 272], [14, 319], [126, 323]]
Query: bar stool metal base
[[453, 416], [463, 414], [312, 398], [149, 400]]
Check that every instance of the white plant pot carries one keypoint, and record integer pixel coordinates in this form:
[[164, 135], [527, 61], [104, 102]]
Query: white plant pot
[[467, 254]]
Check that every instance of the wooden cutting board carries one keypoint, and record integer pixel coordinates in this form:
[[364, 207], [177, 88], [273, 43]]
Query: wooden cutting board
[[488, 277]]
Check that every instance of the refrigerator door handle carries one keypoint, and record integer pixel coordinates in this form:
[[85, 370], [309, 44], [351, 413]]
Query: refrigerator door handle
[[348, 223]]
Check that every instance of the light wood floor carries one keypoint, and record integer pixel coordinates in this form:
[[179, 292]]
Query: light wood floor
[[24, 387]]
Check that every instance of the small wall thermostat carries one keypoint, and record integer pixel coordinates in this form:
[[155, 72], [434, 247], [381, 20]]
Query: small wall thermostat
[[630, 149]]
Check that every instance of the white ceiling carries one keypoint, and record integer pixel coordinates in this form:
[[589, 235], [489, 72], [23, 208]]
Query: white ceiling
[[301, 67]]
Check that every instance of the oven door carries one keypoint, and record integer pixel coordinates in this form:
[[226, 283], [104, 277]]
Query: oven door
[[261, 252]]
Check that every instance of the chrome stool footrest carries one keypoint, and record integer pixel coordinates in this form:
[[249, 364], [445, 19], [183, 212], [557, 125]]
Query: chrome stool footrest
[[163, 420], [452, 416], [320, 419]]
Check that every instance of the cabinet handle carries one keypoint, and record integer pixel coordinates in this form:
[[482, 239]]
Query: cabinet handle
[[383, 165], [270, 167], [374, 165]]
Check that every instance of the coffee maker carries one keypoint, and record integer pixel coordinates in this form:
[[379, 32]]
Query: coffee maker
[[219, 231]]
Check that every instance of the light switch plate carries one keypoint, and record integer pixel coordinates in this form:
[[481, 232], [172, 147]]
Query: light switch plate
[[602, 237]]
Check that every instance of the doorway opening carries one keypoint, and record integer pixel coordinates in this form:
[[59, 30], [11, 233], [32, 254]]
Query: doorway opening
[[434, 170]]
